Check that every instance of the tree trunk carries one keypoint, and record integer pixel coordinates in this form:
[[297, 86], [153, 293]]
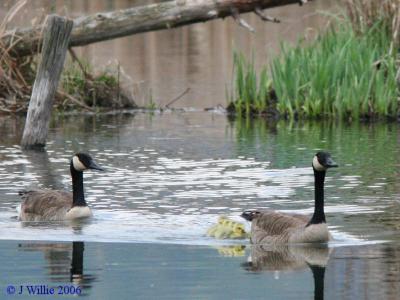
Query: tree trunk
[[109, 25], [55, 45]]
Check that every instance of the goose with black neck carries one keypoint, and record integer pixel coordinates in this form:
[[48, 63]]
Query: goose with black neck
[[274, 227], [55, 205]]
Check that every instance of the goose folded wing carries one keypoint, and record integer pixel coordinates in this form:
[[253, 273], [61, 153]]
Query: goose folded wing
[[273, 223], [39, 202]]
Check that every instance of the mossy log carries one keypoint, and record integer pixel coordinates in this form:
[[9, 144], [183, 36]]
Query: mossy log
[[109, 25]]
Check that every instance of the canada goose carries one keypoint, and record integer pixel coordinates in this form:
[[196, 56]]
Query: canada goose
[[275, 227], [52, 205]]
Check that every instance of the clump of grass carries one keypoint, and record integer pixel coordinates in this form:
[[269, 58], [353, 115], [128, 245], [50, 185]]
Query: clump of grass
[[80, 87], [91, 89], [345, 73], [251, 94], [151, 105], [341, 74]]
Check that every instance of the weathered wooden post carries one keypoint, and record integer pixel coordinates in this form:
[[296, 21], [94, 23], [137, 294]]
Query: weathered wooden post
[[56, 36]]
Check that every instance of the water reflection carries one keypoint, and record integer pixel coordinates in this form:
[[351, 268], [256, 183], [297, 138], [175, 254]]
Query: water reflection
[[176, 271], [368, 272], [64, 262], [10, 126], [232, 251], [45, 170], [286, 257], [76, 273], [269, 258]]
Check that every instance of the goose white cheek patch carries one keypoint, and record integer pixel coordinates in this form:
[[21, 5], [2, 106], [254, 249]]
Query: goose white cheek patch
[[78, 165], [317, 166]]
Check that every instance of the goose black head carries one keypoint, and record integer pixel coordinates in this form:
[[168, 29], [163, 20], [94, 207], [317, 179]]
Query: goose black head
[[323, 161], [82, 161], [249, 215]]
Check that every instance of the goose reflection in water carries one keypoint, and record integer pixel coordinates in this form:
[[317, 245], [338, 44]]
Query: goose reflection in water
[[273, 258], [64, 262]]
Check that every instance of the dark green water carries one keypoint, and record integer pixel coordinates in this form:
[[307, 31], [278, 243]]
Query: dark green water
[[169, 176]]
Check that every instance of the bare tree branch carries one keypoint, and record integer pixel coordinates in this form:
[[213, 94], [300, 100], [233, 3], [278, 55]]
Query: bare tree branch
[[108, 25], [264, 17]]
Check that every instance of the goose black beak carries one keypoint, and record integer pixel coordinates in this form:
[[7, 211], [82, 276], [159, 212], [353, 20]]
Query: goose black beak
[[95, 166], [330, 163]]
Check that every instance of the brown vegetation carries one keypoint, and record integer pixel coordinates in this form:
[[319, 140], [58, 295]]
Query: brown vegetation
[[364, 13], [80, 87]]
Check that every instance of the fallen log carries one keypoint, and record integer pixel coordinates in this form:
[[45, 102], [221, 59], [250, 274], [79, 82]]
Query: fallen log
[[165, 15]]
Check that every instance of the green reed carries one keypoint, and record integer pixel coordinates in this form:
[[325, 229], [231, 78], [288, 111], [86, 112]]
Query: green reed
[[250, 93], [342, 74]]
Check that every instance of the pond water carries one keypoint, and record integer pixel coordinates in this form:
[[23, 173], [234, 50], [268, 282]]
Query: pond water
[[170, 175]]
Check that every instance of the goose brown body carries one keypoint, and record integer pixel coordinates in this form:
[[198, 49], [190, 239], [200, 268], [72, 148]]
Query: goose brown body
[[271, 227], [45, 205]]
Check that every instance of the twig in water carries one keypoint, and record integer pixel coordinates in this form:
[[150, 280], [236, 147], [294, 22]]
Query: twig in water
[[266, 18], [239, 20], [177, 98]]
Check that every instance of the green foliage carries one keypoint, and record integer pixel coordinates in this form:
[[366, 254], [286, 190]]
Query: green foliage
[[250, 95], [78, 79], [73, 79], [99, 89], [151, 105], [342, 74], [107, 78]]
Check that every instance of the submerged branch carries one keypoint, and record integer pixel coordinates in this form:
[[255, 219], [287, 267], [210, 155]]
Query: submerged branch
[[177, 98]]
